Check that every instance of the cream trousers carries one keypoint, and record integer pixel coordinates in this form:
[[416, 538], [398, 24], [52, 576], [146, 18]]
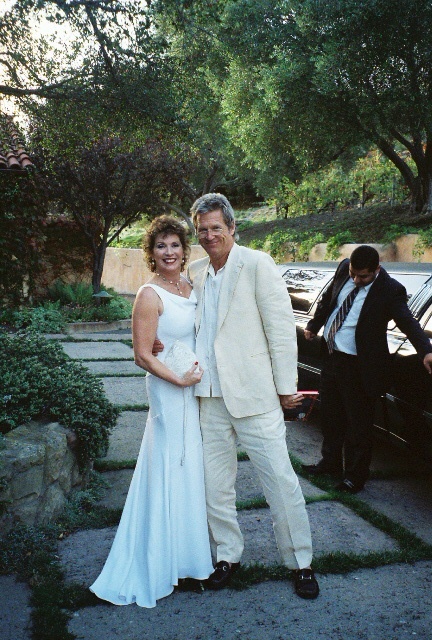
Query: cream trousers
[[263, 438]]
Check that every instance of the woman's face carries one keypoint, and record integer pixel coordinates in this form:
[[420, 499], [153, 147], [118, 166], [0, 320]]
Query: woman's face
[[168, 252]]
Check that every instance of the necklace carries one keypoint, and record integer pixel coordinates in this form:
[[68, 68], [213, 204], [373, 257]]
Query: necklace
[[176, 284]]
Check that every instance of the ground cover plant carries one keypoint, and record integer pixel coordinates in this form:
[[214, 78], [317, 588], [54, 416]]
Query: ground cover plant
[[67, 302], [39, 381]]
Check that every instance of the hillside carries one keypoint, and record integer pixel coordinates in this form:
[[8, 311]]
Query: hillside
[[376, 223]]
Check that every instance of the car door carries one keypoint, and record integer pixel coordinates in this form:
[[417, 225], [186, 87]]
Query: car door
[[406, 410], [305, 285]]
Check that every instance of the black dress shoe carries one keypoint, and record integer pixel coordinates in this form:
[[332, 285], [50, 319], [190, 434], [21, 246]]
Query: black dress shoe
[[221, 575], [306, 585], [348, 487], [320, 469]]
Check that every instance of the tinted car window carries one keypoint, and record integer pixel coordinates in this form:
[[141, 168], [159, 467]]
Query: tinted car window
[[304, 286], [428, 328], [411, 281]]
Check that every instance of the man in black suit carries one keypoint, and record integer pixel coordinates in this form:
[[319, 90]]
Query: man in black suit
[[355, 311]]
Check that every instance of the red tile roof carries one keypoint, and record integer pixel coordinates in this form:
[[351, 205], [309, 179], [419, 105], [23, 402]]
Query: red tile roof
[[13, 156]]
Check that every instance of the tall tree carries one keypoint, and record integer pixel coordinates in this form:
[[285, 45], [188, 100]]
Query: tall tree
[[306, 80], [108, 187]]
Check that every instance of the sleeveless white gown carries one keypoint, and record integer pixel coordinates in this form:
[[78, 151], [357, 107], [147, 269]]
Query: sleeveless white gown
[[163, 534]]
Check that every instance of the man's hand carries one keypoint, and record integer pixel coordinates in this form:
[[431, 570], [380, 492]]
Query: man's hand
[[157, 347], [427, 361], [292, 401], [309, 335]]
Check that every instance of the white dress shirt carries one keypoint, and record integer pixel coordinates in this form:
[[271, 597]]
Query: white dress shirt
[[345, 336], [209, 385]]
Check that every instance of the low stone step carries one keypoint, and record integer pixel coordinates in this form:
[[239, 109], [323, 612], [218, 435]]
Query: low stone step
[[97, 350], [127, 391], [113, 368]]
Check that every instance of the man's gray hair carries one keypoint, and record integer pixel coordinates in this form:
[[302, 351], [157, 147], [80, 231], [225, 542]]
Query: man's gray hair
[[212, 202]]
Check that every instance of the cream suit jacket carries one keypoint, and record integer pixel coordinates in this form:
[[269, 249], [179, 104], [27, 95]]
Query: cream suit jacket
[[256, 344]]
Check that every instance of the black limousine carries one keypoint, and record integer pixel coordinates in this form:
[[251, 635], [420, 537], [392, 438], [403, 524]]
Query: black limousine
[[404, 414]]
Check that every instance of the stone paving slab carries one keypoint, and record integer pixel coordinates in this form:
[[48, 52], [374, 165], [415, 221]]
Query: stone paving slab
[[115, 495], [116, 327], [358, 606], [125, 335], [113, 368], [334, 528], [126, 391], [97, 350], [14, 609], [407, 501], [247, 485], [125, 439], [304, 440]]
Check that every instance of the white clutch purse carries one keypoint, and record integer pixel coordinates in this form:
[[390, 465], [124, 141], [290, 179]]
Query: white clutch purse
[[180, 358]]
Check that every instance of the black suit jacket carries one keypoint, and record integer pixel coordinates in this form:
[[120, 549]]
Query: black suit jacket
[[385, 301]]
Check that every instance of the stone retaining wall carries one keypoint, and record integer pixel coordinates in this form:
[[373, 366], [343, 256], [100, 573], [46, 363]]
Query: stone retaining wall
[[38, 470], [401, 250], [125, 269]]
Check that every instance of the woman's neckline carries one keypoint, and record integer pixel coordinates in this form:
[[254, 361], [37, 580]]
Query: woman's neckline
[[152, 284]]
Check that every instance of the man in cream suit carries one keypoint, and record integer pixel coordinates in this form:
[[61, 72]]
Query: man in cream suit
[[246, 344]]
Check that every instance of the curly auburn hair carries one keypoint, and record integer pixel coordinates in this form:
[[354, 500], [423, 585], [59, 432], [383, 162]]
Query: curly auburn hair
[[165, 225]]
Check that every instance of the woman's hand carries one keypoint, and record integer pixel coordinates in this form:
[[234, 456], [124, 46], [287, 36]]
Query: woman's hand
[[192, 376]]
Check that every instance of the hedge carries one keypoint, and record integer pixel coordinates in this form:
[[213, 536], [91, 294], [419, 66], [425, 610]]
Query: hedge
[[39, 381]]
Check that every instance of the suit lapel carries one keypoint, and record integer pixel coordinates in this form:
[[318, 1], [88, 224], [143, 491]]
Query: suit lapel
[[373, 294], [232, 271], [198, 286]]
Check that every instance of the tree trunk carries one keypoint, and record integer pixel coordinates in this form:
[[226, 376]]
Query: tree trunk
[[98, 264], [420, 185], [427, 208]]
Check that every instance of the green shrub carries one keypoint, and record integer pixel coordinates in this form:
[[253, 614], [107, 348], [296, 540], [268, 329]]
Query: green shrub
[[71, 293], [131, 238], [38, 380], [335, 242], [395, 231], [305, 246], [424, 241], [242, 225], [279, 243], [118, 308], [79, 306], [48, 318]]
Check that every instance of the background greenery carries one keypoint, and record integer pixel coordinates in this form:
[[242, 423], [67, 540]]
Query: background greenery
[[305, 105]]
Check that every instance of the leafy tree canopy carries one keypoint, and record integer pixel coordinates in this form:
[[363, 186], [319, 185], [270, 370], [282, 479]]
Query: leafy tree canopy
[[306, 80]]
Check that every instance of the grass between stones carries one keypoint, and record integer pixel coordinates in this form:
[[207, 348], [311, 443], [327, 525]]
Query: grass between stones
[[133, 407], [102, 465], [31, 552], [104, 359], [120, 375]]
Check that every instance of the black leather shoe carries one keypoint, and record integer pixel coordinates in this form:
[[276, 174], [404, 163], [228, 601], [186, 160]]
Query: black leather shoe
[[306, 585], [320, 469], [348, 487], [221, 575]]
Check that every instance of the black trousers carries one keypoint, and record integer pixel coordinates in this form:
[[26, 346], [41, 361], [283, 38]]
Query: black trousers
[[347, 414]]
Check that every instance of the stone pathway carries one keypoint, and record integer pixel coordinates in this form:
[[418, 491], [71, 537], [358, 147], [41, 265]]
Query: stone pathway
[[387, 603]]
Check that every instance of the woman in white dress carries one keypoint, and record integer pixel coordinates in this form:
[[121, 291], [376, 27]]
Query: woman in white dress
[[162, 536]]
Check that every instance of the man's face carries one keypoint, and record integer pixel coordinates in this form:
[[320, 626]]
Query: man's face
[[214, 235], [362, 277]]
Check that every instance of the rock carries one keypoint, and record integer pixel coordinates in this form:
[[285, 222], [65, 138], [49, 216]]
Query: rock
[[38, 469]]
